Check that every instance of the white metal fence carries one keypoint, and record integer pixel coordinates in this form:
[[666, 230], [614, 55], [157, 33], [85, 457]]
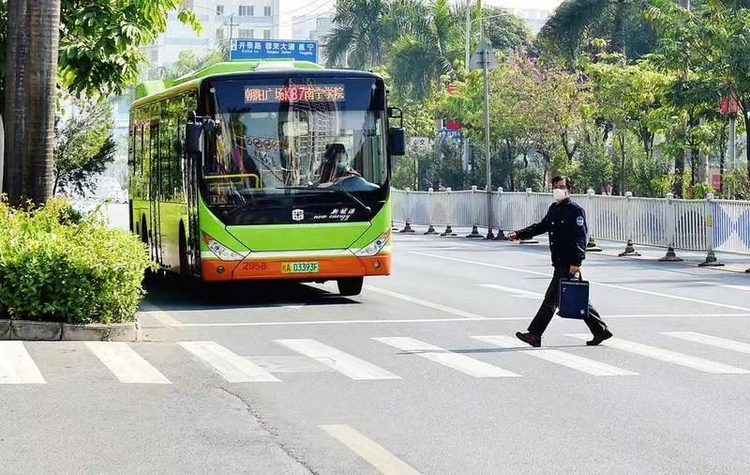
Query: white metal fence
[[694, 225]]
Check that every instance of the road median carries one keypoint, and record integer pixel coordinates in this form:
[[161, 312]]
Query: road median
[[28, 330]]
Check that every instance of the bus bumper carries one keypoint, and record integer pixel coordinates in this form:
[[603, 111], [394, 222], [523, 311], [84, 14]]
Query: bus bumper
[[313, 268]]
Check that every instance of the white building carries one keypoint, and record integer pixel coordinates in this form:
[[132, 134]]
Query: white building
[[533, 18], [221, 19], [313, 26]]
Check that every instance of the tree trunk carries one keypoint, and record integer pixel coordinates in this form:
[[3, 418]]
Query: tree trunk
[[647, 138], [747, 142], [679, 170], [44, 21], [694, 158], [622, 164], [15, 91], [618, 29], [2, 150], [570, 153]]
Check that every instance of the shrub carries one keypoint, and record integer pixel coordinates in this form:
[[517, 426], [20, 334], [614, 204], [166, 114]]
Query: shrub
[[58, 264]]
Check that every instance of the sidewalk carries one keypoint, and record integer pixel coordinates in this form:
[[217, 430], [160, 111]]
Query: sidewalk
[[732, 262]]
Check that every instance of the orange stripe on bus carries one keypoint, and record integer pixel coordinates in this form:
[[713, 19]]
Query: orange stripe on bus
[[328, 268]]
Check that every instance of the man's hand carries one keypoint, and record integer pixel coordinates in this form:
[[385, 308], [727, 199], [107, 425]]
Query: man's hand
[[512, 236], [574, 269]]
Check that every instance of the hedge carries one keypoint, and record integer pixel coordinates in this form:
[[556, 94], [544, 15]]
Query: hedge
[[58, 264]]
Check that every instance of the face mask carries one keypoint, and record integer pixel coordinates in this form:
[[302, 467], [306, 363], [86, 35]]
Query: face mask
[[559, 194], [341, 166]]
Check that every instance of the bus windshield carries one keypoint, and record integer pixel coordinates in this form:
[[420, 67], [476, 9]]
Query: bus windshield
[[295, 136]]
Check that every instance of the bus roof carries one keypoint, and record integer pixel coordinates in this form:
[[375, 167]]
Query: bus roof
[[148, 89]]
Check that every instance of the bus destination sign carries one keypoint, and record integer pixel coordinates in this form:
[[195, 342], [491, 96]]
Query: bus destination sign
[[294, 93]]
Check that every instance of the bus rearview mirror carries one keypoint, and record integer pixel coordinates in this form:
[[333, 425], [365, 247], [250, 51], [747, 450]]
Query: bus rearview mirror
[[194, 138], [397, 141]]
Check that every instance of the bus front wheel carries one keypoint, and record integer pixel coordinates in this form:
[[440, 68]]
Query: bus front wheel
[[350, 286]]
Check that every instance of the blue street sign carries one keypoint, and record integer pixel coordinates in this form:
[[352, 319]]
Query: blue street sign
[[448, 134], [243, 49]]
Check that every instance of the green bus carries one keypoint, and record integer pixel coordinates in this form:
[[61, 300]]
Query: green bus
[[264, 170]]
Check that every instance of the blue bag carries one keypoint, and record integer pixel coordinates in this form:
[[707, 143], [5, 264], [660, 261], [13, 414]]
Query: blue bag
[[573, 299]]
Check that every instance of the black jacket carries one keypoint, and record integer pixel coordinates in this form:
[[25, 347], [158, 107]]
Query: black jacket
[[566, 224]]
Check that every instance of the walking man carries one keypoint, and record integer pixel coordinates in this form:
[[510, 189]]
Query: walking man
[[566, 224]]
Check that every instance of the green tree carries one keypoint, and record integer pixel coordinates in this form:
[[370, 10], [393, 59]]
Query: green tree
[[419, 59], [627, 102], [82, 46], [506, 32], [703, 49], [188, 61], [575, 23], [363, 31], [33, 34], [101, 41], [84, 146]]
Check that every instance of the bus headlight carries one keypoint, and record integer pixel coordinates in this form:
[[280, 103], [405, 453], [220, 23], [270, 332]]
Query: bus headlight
[[221, 251], [375, 246]]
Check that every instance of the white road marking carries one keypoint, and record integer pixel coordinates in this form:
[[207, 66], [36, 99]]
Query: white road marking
[[231, 367], [288, 364], [125, 363], [424, 303], [524, 294], [342, 362], [668, 356], [16, 365], [463, 363], [556, 356], [478, 263], [612, 286], [160, 315], [371, 451], [441, 320], [743, 288], [711, 340]]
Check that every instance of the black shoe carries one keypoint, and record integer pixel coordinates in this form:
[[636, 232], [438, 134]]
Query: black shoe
[[530, 338], [605, 335]]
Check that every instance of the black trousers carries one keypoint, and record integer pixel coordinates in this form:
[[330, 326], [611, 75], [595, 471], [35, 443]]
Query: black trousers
[[547, 310]]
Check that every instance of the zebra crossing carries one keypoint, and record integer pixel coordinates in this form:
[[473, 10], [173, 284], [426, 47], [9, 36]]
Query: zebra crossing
[[126, 365]]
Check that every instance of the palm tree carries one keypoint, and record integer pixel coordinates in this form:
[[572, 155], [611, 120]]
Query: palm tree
[[33, 32], [506, 32], [363, 30], [432, 49], [575, 22]]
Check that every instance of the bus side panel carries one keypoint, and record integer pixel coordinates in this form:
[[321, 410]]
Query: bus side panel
[[139, 172]]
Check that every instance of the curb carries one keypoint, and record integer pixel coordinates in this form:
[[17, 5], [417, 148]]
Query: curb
[[55, 331]]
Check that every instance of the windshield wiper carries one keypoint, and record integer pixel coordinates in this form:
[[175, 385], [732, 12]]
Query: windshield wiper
[[354, 198]]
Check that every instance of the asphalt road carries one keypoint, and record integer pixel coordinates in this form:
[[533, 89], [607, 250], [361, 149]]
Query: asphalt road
[[419, 374]]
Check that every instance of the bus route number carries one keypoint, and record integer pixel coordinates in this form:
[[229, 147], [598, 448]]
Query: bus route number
[[254, 266]]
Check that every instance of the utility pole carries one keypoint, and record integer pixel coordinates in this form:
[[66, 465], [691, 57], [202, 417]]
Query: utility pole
[[680, 160], [467, 150], [232, 24], [468, 33], [485, 60], [732, 133]]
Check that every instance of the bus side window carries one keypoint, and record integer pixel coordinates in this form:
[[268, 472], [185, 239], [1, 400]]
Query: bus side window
[[132, 141], [165, 151]]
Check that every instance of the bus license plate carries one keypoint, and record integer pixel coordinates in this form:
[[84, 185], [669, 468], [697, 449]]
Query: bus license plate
[[299, 267]]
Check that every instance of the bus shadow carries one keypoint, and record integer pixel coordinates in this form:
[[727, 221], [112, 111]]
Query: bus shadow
[[170, 294]]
